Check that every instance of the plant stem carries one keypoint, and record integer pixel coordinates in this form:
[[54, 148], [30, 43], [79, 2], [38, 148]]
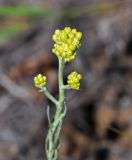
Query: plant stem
[[60, 77], [48, 95], [66, 87], [52, 140]]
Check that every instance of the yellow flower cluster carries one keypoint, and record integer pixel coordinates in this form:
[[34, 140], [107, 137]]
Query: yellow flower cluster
[[67, 41], [74, 80], [40, 80]]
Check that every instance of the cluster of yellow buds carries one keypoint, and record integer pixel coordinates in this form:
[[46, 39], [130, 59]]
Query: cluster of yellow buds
[[40, 80], [74, 80], [67, 41]]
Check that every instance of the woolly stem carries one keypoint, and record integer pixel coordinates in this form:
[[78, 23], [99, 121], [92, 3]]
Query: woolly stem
[[52, 140]]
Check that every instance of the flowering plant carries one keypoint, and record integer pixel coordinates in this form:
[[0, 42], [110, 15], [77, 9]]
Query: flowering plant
[[67, 41]]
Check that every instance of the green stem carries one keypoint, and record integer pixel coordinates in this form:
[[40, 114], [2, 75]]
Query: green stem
[[52, 140], [60, 77], [48, 95], [66, 87]]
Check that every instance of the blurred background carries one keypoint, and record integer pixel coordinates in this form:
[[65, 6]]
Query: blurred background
[[98, 125]]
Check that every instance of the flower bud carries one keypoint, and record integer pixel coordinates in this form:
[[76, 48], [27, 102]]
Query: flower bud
[[67, 41], [40, 80], [74, 80]]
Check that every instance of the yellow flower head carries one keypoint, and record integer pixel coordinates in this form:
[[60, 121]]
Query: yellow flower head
[[74, 80], [67, 41], [40, 80]]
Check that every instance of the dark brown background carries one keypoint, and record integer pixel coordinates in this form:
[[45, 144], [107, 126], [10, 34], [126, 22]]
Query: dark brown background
[[98, 125]]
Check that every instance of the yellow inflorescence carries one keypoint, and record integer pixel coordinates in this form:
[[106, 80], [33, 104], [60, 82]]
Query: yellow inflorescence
[[74, 80], [67, 41], [40, 80]]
